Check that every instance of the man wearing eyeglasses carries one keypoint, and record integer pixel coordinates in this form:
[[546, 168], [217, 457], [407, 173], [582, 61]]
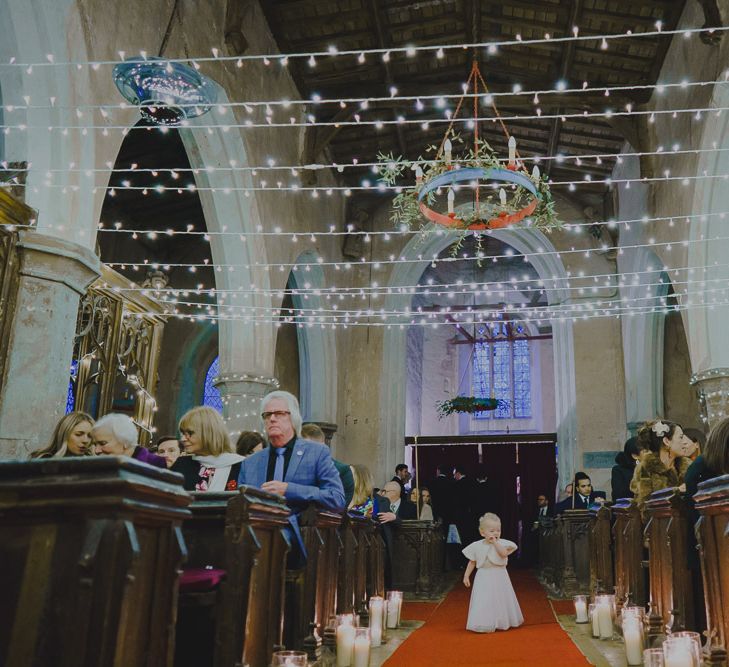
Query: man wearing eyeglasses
[[302, 471]]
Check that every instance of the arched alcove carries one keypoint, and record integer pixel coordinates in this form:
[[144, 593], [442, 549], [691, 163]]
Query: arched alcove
[[393, 373], [507, 357]]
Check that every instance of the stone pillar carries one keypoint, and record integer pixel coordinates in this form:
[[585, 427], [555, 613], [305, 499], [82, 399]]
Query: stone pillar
[[54, 274], [242, 394], [713, 388]]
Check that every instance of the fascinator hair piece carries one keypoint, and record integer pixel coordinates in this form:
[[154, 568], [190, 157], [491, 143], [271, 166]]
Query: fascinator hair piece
[[660, 429]]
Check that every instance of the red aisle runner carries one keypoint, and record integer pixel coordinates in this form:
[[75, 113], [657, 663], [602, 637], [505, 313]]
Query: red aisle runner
[[443, 640]]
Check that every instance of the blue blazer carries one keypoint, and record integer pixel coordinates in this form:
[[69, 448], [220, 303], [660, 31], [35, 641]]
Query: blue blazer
[[311, 476]]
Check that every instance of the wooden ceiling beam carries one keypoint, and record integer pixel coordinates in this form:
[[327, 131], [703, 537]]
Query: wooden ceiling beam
[[383, 40]]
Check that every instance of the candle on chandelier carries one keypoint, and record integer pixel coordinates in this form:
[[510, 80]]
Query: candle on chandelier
[[451, 200], [512, 152], [536, 173], [502, 196], [447, 149], [418, 174]]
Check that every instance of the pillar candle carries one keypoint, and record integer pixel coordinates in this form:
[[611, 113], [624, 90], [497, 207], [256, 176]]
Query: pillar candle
[[345, 645], [605, 620], [447, 148], [581, 611], [633, 644], [361, 652], [512, 151]]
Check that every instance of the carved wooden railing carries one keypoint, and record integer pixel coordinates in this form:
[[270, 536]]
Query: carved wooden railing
[[576, 548], [712, 532], [417, 558], [630, 573], [601, 551], [118, 338]]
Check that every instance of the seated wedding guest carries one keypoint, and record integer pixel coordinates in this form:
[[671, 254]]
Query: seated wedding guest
[[71, 437], [622, 472], [661, 464], [567, 493], [696, 442], [713, 461], [314, 433], [249, 442], [365, 500], [425, 509], [212, 464], [116, 434], [300, 470], [168, 447], [583, 498]]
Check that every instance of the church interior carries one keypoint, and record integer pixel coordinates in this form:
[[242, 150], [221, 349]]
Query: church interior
[[310, 310]]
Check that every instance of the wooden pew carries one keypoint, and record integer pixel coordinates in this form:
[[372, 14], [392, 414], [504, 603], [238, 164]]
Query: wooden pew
[[352, 576], [575, 571], [256, 548], [375, 583], [629, 565], [712, 531], [91, 550], [311, 591], [550, 552], [601, 551], [240, 619], [417, 559], [671, 593]]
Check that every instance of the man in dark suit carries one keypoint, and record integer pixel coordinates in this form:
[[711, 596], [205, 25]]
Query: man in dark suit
[[402, 477], [583, 498], [400, 509]]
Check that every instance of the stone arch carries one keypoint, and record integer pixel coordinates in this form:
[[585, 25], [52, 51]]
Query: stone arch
[[392, 376], [317, 347]]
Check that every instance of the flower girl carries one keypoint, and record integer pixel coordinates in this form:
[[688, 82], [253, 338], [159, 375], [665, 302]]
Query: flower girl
[[493, 602]]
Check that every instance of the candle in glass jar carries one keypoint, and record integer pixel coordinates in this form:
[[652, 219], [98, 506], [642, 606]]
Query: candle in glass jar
[[595, 621], [605, 620], [581, 609], [376, 604], [361, 648], [679, 658], [345, 645], [633, 643], [393, 612]]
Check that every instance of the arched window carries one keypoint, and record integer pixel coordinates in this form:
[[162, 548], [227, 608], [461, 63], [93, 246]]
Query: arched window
[[501, 361], [71, 396], [211, 395]]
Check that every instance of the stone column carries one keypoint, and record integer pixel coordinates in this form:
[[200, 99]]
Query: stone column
[[54, 274], [242, 394], [712, 386]]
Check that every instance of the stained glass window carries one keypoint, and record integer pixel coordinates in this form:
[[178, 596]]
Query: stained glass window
[[503, 362], [211, 395]]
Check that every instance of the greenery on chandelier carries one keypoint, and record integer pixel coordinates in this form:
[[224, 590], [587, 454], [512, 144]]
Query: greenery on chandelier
[[469, 404], [406, 210]]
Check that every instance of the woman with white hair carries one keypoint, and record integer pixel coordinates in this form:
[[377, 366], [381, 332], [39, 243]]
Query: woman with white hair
[[116, 434], [213, 464]]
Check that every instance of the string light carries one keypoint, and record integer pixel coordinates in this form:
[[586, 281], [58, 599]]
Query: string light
[[286, 103], [408, 50], [359, 122]]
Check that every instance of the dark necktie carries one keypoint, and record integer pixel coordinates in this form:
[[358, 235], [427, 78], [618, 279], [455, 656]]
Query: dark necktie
[[278, 471]]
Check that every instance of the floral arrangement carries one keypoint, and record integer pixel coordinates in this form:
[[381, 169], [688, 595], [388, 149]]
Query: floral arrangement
[[469, 404], [406, 211]]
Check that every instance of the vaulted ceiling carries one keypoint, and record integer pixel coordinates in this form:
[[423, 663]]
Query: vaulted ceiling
[[315, 25]]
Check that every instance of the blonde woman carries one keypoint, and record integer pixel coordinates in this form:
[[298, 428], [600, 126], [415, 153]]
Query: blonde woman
[[213, 464], [71, 437]]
